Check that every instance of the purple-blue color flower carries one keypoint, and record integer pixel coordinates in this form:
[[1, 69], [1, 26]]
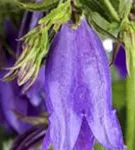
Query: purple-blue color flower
[[120, 62], [85, 139], [36, 95], [78, 92], [36, 92], [11, 99]]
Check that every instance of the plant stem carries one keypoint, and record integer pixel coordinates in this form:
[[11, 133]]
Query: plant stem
[[130, 88]]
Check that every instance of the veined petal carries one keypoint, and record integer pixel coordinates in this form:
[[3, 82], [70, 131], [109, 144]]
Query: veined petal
[[99, 113]]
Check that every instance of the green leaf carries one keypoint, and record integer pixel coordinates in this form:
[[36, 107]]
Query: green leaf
[[102, 31], [115, 4], [110, 9], [104, 27], [41, 6], [127, 35], [102, 7], [125, 8]]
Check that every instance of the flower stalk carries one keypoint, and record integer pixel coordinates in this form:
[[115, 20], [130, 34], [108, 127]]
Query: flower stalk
[[130, 89]]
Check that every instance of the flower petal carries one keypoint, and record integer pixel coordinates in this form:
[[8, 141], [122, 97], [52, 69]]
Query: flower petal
[[78, 85], [99, 114], [85, 140], [11, 101], [64, 124], [120, 62]]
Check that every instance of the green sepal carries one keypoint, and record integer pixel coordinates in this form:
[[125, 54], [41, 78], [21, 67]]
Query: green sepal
[[41, 6], [57, 14], [127, 35], [33, 120], [36, 45]]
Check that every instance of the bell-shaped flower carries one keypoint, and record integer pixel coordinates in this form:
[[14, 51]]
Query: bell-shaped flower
[[120, 62], [78, 92]]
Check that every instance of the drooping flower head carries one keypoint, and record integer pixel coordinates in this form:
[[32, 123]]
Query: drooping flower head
[[78, 92], [120, 62]]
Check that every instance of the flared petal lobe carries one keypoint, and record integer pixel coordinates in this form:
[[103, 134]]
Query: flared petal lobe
[[78, 86], [85, 139]]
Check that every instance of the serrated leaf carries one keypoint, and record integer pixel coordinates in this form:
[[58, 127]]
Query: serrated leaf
[[41, 6]]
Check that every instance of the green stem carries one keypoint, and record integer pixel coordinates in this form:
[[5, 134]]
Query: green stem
[[111, 9], [130, 141]]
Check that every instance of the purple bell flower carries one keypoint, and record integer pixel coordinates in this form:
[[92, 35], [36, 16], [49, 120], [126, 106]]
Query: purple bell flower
[[11, 99], [78, 93], [120, 62]]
